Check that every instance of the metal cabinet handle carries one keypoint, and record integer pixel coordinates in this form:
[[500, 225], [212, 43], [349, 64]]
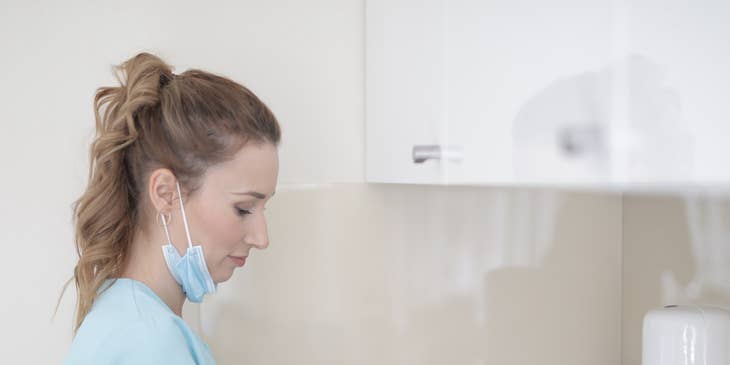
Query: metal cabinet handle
[[421, 153]]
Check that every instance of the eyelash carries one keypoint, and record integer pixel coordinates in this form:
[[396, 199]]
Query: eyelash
[[243, 212]]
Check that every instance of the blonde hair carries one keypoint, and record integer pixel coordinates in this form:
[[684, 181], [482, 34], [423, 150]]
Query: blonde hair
[[154, 119]]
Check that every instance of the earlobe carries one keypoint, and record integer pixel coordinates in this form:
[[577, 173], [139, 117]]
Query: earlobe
[[162, 189]]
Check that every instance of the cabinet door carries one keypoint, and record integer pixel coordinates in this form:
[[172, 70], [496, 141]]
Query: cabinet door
[[595, 93], [495, 84], [405, 80], [527, 89], [677, 87]]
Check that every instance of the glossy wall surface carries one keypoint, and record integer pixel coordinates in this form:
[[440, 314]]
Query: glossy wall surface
[[362, 274], [676, 251]]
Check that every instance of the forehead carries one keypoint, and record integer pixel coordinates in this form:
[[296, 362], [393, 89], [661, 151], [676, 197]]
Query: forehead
[[253, 167]]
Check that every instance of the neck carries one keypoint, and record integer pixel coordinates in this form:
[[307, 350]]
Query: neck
[[146, 264]]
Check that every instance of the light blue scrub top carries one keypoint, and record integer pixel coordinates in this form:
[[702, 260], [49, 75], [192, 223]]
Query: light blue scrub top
[[130, 324]]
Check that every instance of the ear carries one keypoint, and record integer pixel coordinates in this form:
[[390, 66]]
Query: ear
[[162, 189]]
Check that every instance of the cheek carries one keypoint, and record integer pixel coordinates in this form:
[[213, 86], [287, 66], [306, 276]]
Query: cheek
[[221, 235]]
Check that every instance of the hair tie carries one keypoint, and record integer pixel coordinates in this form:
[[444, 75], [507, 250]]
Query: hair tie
[[165, 79]]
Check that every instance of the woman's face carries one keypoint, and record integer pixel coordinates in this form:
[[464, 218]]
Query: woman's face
[[226, 215]]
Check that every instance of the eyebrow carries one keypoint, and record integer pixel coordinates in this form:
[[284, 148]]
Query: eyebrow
[[255, 194]]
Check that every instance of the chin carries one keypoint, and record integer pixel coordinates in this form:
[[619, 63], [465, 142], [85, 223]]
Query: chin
[[223, 277]]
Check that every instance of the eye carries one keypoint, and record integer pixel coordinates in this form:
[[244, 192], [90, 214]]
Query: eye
[[242, 212]]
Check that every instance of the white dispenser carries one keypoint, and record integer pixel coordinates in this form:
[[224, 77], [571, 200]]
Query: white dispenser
[[686, 335]]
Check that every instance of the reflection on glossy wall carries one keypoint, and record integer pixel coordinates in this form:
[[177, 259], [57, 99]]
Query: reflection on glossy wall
[[676, 251], [384, 274]]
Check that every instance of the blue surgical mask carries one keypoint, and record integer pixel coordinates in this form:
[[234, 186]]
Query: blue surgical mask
[[190, 271]]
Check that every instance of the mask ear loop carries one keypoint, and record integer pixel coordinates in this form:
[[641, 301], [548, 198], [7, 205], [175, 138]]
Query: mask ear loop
[[164, 225], [185, 220]]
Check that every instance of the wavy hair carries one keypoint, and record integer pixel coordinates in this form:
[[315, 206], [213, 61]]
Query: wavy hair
[[154, 118]]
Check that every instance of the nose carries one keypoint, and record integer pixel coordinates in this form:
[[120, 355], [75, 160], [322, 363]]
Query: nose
[[259, 235]]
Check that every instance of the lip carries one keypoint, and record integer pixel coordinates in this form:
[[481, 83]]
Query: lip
[[238, 260]]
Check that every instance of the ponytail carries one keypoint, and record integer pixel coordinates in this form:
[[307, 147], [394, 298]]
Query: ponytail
[[104, 215]]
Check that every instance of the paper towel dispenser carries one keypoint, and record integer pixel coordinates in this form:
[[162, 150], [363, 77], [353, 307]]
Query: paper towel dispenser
[[686, 335]]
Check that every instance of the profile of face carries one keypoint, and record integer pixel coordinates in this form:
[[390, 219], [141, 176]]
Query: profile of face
[[226, 214]]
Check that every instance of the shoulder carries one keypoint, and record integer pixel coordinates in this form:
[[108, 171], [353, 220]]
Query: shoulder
[[128, 324], [143, 341], [147, 341]]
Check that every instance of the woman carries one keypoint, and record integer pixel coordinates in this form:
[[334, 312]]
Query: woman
[[181, 169]]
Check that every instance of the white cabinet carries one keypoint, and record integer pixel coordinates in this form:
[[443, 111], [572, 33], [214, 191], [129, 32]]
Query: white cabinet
[[566, 92], [678, 88], [405, 87]]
